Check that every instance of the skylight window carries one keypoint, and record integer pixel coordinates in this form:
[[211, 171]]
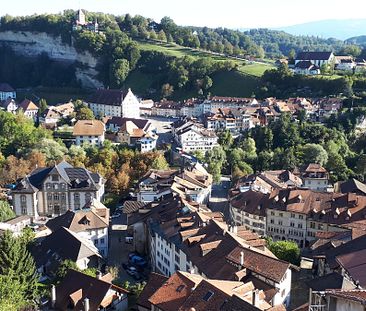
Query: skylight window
[[208, 296]]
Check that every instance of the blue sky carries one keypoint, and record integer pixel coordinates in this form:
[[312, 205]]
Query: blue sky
[[214, 13]]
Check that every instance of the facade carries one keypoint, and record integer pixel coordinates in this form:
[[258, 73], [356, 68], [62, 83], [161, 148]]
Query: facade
[[306, 67], [248, 209], [9, 105], [29, 109], [90, 132], [166, 108], [316, 178], [114, 103], [53, 190], [6, 92], [216, 102], [16, 225], [191, 137]]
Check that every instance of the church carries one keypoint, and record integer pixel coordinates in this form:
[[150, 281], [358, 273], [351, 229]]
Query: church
[[114, 103]]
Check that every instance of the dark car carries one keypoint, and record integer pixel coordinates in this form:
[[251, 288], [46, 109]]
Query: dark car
[[137, 260]]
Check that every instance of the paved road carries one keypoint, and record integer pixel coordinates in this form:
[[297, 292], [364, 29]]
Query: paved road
[[218, 201]]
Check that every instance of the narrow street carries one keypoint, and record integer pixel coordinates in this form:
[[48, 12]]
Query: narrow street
[[219, 197]]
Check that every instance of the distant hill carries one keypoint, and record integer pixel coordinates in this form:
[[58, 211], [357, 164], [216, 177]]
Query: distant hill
[[360, 40], [339, 29]]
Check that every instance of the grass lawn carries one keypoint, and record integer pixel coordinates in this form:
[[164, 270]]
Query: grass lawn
[[255, 69]]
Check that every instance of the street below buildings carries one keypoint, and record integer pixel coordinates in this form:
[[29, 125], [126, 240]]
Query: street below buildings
[[219, 197]]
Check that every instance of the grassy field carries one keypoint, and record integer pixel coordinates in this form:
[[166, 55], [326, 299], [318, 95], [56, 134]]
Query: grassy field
[[242, 82]]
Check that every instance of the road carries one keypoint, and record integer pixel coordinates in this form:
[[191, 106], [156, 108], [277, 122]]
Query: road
[[219, 194], [163, 129]]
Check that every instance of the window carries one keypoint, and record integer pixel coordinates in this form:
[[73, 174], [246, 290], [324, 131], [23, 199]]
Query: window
[[177, 259], [76, 197], [23, 198], [280, 222], [49, 196], [293, 215], [56, 196], [54, 177], [24, 209], [96, 242], [280, 214], [299, 226], [63, 196], [208, 296], [301, 217], [102, 241]]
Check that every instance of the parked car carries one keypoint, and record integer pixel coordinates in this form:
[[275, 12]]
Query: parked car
[[116, 215], [137, 260], [132, 271], [129, 239]]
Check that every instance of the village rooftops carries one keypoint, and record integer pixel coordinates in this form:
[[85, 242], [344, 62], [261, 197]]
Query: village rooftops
[[107, 97], [77, 286], [313, 55], [79, 221], [88, 128], [357, 295], [27, 104], [306, 64]]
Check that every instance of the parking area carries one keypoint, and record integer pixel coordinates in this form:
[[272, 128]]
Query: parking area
[[118, 255]]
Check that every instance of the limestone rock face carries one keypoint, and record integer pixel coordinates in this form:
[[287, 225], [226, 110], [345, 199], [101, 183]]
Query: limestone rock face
[[35, 43]]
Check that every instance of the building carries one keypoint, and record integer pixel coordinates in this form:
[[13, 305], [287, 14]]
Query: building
[[214, 103], [192, 137], [134, 132], [91, 223], [29, 109], [187, 291], [81, 23], [192, 239], [6, 92], [54, 114], [9, 105], [78, 291], [155, 185], [316, 58], [16, 225], [316, 178], [51, 191], [248, 209], [89, 132], [306, 67], [166, 108], [61, 245], [114, 103]]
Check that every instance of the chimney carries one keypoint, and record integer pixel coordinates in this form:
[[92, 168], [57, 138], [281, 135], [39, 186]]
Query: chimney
[[53, 296], [191, 271], [86, 304], [99, 275], [235, 229], [255, 298], [242, 259]]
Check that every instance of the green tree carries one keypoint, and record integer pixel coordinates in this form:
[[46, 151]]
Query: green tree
[[84, 113], [119, 72], [167, 90], [314, 153], [17, 264], [162, 36], [249, 148], [6, 212], [285, 250], [207, 83], [42, 105], [160, 163], [54, 151], [225, 140]]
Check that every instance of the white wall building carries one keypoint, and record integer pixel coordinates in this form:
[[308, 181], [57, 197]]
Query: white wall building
[[114, 103], [90, 132]]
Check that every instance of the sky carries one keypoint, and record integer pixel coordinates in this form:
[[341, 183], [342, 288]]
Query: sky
[[212, 13]]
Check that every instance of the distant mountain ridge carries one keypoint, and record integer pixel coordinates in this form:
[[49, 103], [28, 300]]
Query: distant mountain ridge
[[360, 40], [339, 29]]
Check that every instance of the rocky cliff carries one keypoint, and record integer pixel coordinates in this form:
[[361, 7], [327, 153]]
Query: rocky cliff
[[33, 44]]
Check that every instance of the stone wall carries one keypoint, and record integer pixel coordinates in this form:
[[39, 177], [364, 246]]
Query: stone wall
[[34, 43]]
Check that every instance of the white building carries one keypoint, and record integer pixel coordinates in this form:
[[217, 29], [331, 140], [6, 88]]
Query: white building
[[192, 137], [248, 209], [90, 132], [53, 190], [114, 103], [29, 109], [316, 58], [216, 102], [9, 105], [316, 178], [6, 92], [90, 223], [306, 67]]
